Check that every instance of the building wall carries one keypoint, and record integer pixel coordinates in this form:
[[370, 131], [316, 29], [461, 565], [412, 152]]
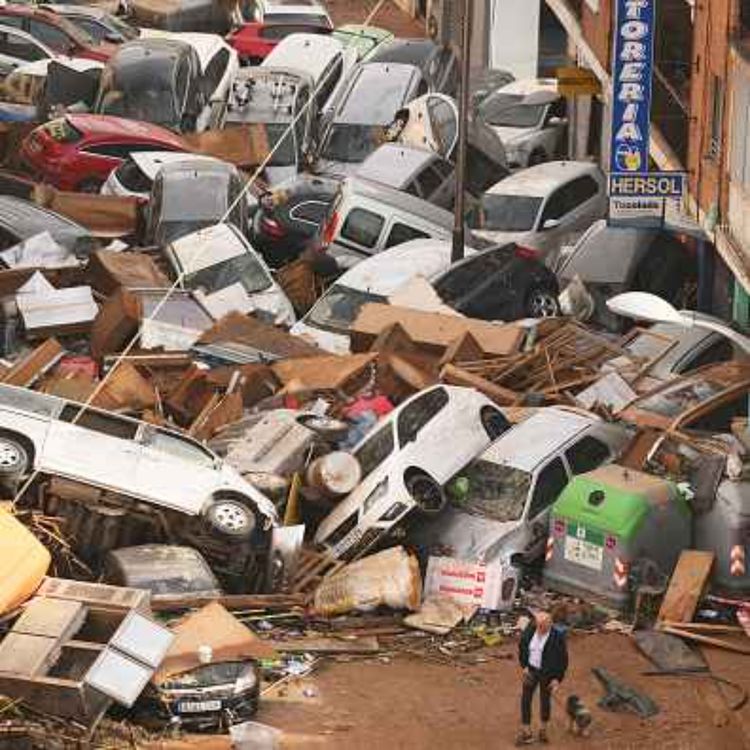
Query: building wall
[[597, 28]]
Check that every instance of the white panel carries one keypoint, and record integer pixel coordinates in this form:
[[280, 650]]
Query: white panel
[[514, 36]]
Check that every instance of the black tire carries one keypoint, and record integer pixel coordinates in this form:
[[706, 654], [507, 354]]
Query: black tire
[[14, 458], [537, 156], [541, 302], [229, 517], [425, 492], [91, 185]]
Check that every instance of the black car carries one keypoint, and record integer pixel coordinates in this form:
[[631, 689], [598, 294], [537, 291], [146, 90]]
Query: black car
[[209, 698], [502, 283], [289, 218], [438, 64], [21, 220]]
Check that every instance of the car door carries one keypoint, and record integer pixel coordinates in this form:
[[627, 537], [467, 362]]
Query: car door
[[94, 447], [550, 481], [175, 471]]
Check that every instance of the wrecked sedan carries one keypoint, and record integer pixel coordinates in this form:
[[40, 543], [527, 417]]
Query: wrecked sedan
[[226, 274], [498, 505], [151, 464], [405, 461]]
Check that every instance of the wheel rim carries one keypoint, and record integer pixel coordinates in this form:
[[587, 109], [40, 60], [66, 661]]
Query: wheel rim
[[9, 455], [231, 517], [426, 494], [542, 304]]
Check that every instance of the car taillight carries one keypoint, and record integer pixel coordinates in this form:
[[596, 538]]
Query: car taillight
[[329, 233], [527, 253], [272, 227], [559, 527]]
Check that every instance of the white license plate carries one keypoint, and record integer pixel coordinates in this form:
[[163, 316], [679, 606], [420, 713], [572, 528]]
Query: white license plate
[[196, 707], [583, 553]]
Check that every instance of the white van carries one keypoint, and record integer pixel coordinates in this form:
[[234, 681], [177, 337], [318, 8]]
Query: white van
[[325, 59]]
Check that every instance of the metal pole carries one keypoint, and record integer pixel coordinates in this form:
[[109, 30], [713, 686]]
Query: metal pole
[[457, 251]]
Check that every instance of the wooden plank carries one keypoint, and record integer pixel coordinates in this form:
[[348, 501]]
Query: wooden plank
[[708, 640], [321, 373], [229, 601], [28, 655], [500, 395], [27, 370], [686, 586], [363, 645]]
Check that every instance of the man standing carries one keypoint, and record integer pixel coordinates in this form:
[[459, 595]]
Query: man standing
[[543, 656]]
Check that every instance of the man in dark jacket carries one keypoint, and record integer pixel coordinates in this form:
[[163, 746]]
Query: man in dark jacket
[[543, 656]]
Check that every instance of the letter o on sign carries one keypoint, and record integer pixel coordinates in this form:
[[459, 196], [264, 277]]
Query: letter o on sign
[[664, 185], [633, 30]]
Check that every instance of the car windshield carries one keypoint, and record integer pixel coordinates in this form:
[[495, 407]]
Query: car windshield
[[509, 111], [505, 213], [339, 308], [134, 94], [490, 490], [281, 137], [352, 143], [243, 269]]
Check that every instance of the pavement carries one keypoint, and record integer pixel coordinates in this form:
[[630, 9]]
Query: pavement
[[389, 16]]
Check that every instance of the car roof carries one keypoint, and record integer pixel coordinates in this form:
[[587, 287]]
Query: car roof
[[27, 219], [542, 179], [205, 45], [150, 162], [197, 166], [388, 271], [225, 240], [91, 11], [409, 51], [531, 442], [151, 48], [397, 77], [28, 37], [39, 67], [372, 32], [527, 86], [107, 127], [308, 52], [398, 200], [393, 164]]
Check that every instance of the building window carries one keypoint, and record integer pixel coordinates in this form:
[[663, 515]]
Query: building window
[[717, 116]]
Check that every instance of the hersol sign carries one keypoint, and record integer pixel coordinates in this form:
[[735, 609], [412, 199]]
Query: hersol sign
[[631, 80]]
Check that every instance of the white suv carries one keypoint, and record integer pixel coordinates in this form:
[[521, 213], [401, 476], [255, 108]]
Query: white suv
[[405, 461], [129, 457]]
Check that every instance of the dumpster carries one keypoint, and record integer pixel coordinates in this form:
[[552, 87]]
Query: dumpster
[[724, 529], [612, 528]]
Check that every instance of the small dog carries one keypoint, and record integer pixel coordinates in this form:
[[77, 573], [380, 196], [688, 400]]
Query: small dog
[[579, 717]]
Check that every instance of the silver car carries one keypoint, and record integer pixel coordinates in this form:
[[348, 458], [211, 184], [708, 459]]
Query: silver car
[[125, 456], [498, 506]]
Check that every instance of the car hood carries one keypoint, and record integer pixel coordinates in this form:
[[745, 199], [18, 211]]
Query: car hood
[[502, 238], [468, 537], [276, 175]]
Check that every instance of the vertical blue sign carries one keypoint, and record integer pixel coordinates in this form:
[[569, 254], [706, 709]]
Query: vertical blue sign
[[631, 82]]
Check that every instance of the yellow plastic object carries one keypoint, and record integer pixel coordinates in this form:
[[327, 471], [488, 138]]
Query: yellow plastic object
[[23, 562]]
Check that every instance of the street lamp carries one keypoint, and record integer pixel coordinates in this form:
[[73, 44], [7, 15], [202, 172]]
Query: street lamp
[[645, 306]]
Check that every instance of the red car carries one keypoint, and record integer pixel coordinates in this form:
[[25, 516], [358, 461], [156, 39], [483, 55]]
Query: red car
[[254, 41], [77, 152], [56, 32]]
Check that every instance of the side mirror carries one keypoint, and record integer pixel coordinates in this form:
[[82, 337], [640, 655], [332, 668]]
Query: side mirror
[[551, 224]]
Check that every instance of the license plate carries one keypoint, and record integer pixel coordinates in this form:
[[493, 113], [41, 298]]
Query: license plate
[[195, 707], [583, 553]]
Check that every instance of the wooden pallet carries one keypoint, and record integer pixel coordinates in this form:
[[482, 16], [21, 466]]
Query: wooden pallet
[[312, 568]]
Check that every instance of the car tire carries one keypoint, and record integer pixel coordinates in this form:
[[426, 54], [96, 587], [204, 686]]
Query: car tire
[[537, 156], [230, 517], [91, 185], [541, 302], [426, 493], [14, 458]]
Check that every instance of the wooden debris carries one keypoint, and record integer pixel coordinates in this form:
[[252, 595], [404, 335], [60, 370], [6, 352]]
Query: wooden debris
[[356, 645], [27, 370], [686, 586], [271, 602]]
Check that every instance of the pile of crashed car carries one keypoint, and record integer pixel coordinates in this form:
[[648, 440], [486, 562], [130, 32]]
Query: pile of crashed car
[[238, 360]]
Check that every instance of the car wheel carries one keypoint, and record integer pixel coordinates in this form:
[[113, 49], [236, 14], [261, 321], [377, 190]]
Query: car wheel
[[425, 492], [90, 185], [326, 428], [541, 302], [230, 517], [14, 459], [537, 156]]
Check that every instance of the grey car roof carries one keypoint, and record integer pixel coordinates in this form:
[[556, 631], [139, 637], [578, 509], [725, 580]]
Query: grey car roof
[[394, 165], [399, 200], [199, 166], [534, 440]]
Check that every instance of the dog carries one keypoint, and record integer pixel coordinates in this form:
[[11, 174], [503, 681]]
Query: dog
[[579, 717]]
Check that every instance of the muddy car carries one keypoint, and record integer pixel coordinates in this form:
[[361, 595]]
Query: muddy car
[[171, 474]]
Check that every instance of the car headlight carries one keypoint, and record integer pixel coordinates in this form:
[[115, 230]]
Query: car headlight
[[246, 681], [378, 493]]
